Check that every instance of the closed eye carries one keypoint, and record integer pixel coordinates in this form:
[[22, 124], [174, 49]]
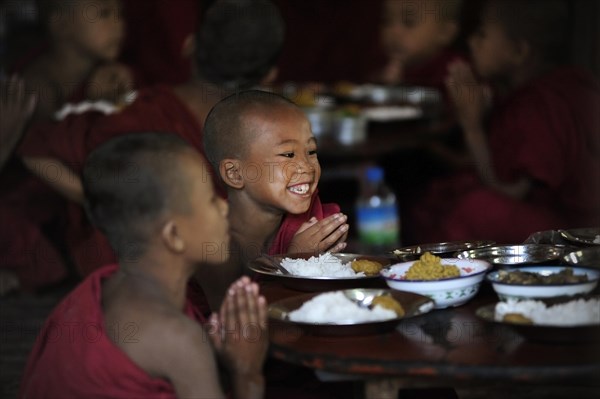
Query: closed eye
[[312, 152]]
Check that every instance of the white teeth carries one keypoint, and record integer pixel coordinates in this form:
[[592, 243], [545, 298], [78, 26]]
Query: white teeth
[[300, 189]]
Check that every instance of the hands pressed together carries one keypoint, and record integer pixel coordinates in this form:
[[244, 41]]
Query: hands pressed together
[[327, 235], [470, 97], [239, 335]]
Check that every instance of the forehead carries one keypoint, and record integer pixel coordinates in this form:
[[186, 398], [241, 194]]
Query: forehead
[[276, 124]]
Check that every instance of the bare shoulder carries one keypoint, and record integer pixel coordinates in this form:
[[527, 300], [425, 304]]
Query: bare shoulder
[[165, 343]]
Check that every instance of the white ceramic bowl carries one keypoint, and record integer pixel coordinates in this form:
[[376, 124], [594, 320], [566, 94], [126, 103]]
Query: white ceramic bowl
[[530, 291], [453, 291]]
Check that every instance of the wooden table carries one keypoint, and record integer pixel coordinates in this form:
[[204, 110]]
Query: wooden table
[[449, 346]]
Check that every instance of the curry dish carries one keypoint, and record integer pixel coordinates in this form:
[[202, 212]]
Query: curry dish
[[429, 267]]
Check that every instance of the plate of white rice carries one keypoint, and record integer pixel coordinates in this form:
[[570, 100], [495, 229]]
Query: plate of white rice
[[570, 320], [318, 272], [345, 312]]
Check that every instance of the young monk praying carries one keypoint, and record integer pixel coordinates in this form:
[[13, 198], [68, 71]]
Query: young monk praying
[[536, 160], [128, 330], [264, 152]]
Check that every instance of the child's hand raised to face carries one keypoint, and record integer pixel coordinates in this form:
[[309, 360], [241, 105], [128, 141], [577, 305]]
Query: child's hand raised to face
[[239, 334], [470, 98], [110, 82], [327, 235]]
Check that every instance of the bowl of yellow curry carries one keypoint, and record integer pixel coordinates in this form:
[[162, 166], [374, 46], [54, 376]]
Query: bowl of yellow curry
[[449, 281]]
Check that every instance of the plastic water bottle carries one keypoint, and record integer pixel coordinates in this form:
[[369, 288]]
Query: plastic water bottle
[[377, 214]]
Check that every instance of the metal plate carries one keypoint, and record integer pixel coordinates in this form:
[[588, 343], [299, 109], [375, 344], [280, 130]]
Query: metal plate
[[413, 305]]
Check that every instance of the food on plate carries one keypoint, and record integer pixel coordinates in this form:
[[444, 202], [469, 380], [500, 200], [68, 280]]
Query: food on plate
[[430, 267], [368, 267], [387, 302], [565, 276], [325, 265], [517, 318], [337, 308], [573, 313]]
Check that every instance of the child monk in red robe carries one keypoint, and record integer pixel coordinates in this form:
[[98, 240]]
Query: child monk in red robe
[[417, 37], [77, 62], [236, 47], [537, 163], [264, 151], [128, 330]]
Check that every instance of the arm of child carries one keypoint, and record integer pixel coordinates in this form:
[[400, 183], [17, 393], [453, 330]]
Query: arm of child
[[16, 109], [239, 336], [58, 176], [328, 234], [470, 98]]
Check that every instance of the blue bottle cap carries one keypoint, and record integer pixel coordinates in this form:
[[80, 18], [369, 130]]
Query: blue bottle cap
[[374, 174]]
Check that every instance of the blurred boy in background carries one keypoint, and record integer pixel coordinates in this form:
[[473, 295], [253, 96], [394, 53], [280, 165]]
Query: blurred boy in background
[[536, 158], [418, 38]]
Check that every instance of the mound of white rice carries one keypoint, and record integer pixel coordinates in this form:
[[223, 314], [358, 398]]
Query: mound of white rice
[[572, 313], [336, 308], [325, 265]]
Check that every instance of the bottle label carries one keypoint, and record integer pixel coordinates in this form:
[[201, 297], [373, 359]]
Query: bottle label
[[378, 226]]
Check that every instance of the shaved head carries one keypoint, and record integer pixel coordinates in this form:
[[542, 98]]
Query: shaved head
[[227, 131], [131, 184]]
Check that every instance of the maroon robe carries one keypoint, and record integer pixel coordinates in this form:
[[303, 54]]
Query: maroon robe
[[546, 131], [156, 109], [74, 355]]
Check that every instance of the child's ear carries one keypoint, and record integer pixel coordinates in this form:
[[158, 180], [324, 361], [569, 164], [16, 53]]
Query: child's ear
[[172, 238], [231, 173], [189, 47]]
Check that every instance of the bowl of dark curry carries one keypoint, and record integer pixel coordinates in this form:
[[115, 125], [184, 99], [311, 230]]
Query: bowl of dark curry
[[543, 282]]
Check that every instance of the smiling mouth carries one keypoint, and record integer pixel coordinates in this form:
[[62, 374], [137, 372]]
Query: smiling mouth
[[300, 188]]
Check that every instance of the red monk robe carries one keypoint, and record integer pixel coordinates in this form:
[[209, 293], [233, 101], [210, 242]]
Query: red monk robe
[[70, 141], [546, 131], [30, 213], [75, 357]]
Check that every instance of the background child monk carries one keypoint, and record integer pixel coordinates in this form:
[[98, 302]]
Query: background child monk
[[132, 332], [418, 38], [266, 155], [537, 159], [236, 47], [84, 36]]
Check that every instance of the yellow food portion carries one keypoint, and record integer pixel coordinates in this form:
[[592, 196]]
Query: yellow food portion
[[369, 267], [516, 318], [390, 303], [429, 267]]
